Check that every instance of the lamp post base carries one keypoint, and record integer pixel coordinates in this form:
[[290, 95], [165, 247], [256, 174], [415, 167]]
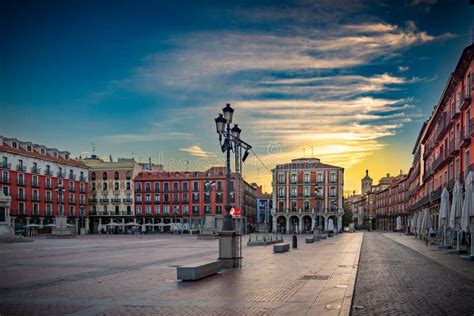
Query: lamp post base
[[228, 249]]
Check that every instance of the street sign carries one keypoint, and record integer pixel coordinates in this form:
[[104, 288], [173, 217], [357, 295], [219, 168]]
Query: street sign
[[235, 212]]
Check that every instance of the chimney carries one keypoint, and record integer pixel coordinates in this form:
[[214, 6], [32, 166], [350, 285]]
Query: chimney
[[366, 172], [110, 158], [388, 175], [149, 163]]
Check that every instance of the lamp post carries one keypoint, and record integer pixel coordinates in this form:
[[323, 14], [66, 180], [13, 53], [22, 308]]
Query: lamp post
[[229, 139], [60, 190]]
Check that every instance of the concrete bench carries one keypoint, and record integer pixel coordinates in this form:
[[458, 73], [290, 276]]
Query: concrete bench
[[282, 247], [323, 236], [309, 240], [198, 270]]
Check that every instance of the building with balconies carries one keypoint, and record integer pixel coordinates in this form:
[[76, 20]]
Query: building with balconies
[[43, 183], [307, 194], [111, 190], [182, 200]]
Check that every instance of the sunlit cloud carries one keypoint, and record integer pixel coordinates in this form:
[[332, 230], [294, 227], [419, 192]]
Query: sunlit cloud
[[196, 151]]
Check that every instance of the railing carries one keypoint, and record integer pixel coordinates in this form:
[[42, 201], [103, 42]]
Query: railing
[[48, 185], [82, 178], [60, 174], [82, 202], [5, 180], [21, 168], [35, 198], [48, 199], [61, 200], [466, 101], [71, 201], [93, 201], [35, 170], [21, 182], [127, 200], [104, 201], [35, 184], [48, 172], [6, 165], [72, 189], [21, 197], [72, 176]]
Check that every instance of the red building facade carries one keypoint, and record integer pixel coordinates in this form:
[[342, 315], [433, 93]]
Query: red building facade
[[185, 198], [43, 183]]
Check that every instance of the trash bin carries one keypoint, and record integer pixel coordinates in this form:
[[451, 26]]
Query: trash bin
[[295, 241]]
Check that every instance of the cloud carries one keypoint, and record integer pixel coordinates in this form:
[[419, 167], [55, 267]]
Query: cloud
[[403, 69], [196, 151], [146, 137]]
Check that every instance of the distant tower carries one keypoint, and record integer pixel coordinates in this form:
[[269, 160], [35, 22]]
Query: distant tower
[[366, 183]]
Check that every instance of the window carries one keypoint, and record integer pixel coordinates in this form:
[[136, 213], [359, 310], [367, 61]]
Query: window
[[185, 210], [157, 186], [104, 186], [5, 177], [293, 191], [139, 210], [185, 197], [281, 192], [466, 163], [35, 181], [128, 175], [175, 186], [195, 209], [166, 186], [281, 178], [116, 175], [48, 209], [139, 198], [195, 197], [332, 177], [306, 177], [148, 197], [306, 206], [92, 174], [128, 185], [35, 209], [207, 209], [129, 210], [218, 209], [93, 186], [175, 210], [157, 210], [104, 175], [293, 206], [319, 177], [195, 186], [5, 162], [175, 197], [166, 198], [219, 186], [5, 191], [157, 197], [147, 187], [306, 191], [116, 186], [185, 186], [81, 176], [138, 186], [148, 210], [293, 178], [71, 211], [332, 191], [166, 209]]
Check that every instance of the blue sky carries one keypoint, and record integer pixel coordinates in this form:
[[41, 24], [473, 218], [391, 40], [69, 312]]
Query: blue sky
[[353, 80]]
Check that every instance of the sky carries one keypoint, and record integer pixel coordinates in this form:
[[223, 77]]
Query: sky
[[349, 82]]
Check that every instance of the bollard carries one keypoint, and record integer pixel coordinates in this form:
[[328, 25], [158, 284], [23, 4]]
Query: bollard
[[295, 241]]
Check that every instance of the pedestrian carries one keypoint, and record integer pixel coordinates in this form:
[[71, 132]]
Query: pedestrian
[[427, 236], [432, 233]]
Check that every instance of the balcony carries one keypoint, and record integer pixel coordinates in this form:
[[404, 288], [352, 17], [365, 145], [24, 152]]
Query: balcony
[[48, 173], [72, 177], [104, 201], [82, 190], [466, 101], [5, 165], [21, 197], [93, 201], [82, 178], [72, 189], [35, 170], [48, 185], [72, 201], [127, 201], [5, 180], [35, 184], [60, 200], [147, 201], [116, 201], [21, 168], [82, 202], [60, 174], [48, 199], [35, 198], [21, 182]]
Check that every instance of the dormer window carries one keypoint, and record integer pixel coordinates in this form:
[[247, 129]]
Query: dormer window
[[29, 148], [66, 157], [14, 145], [42, 151]]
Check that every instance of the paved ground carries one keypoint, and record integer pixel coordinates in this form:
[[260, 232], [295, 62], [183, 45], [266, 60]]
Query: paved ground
[[400, 275], [122, 275]]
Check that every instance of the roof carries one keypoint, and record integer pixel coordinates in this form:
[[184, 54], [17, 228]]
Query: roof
[[109, 165], [20, 151], [306, 163]]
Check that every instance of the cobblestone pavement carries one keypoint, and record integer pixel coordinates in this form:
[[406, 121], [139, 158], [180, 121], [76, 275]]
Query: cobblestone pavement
[[395, 279], [123, 275]]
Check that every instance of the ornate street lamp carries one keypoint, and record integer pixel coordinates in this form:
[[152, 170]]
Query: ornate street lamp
[[231, 142]]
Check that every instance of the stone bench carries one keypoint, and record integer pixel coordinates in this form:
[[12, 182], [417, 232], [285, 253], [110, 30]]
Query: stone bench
[[199, 270], [323, 236], [309, 240], [282, 247]]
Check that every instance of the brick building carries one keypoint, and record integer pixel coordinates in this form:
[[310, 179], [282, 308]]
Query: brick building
[[43, 183], [304, 191], [182, 200]]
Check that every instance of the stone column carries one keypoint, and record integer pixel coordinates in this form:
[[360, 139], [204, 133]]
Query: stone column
[[274, 224], [28, 220], [300, 224], [13, 218], [228, 249], [41, 221], [100, 225], [339, 223]]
